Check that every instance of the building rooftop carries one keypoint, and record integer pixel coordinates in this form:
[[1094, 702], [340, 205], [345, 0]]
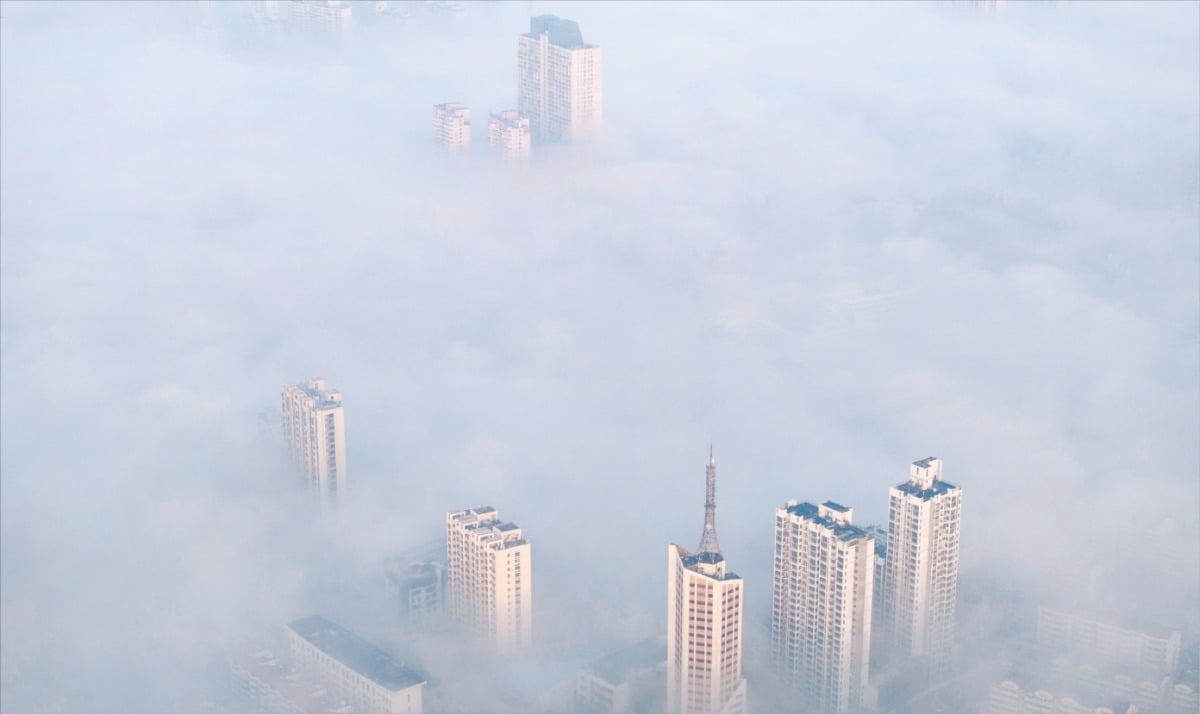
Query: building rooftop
[[355, 652], [938, 488], [837, 506], [563, 33], [810, 512]]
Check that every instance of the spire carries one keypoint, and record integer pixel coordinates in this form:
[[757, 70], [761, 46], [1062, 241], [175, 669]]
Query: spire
[[708, 539]]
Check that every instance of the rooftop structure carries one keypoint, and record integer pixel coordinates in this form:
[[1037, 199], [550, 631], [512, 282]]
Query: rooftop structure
[[361, 672]]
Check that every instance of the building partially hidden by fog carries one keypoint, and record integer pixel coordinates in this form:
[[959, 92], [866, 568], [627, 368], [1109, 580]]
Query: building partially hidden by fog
[[1109, 643], [920, 569], [366, 676], [509, 135], [704, 623], [418, 591], [334, 16], [315, 430], [489, 576], [452, 126], [622, 682], [559, 80], [821, 607]]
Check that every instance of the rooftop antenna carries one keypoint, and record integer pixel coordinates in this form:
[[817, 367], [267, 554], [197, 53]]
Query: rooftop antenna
[[708, 539]]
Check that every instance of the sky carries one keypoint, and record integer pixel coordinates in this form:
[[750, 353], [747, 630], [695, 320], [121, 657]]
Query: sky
[[830, 239]]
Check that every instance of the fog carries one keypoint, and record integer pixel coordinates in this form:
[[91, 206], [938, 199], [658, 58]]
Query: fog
[[830, 239]]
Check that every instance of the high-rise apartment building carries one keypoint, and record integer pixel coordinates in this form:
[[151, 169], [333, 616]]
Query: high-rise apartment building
[[821, 607], [559, 80], [489, 578], [704, 623], [314, 425], [921, 568], [452, 126], [508, 134]]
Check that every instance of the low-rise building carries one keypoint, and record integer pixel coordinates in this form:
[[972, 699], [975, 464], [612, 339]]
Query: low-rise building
[[366, 676]]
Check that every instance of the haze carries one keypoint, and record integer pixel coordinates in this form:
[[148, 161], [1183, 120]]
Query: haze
[[829, 238]]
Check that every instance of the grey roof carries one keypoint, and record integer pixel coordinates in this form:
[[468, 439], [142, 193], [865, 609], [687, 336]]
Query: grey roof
[[563, 33], [836, 506], [355, 652], [938, 488], [809, 511]]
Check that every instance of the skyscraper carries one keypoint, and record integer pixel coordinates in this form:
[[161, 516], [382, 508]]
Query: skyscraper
[[821, 606], [489, 578], [508, 134], [704, 623], [559, 80], [452, 126], [315, 429], [921, 568]]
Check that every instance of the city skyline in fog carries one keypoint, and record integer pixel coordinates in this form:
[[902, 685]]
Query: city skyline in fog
[[829, 239]]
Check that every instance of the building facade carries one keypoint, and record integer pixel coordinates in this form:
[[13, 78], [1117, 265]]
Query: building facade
[[559, 80], [419, 593], [314, 426], [822, 598], [509, 135], [1109, 643], [452, 127], [921, 568], [489, 578], [704, 623], [369, 679]]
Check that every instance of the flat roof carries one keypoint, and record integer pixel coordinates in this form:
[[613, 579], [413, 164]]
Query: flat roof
[[938, 488], [355, 652], [810, 512]]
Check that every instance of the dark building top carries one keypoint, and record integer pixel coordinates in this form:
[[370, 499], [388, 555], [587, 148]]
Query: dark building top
[[355, 652], [809, 511], [563, 33], [938, 488]]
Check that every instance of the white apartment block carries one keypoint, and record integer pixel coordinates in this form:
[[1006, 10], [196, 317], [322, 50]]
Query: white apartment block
[[1111, 644], [452, 126], [821, 607], [489, 576], [328, 15], [559, 80], [314, 425], [509, 135], [619, 683], [921, 569], [704, 624], [363, 674]]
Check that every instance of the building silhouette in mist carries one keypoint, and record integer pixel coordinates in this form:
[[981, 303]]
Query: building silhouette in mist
[[622, 682], [822, 607], [489, 576], [366, 676], [419, 593], [559, 80], [704, 623], [452, 126], [920, 569], [509, 135], [314, 426]]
